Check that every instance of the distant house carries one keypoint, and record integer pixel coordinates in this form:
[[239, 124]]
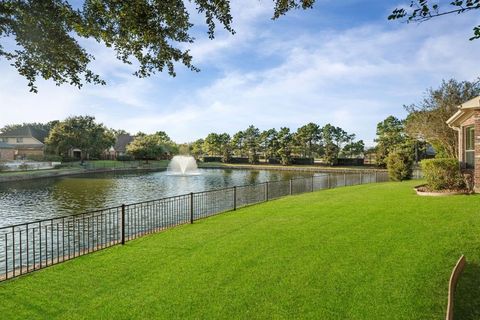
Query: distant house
[[119, 149], [467, 122], [24, 141]]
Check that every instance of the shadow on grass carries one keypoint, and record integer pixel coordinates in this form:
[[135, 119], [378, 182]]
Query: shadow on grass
[[467, 295]]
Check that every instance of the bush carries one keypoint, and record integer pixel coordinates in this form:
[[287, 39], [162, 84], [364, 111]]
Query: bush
[[3, 167], [443, 174], [125, 157], [400, 165]]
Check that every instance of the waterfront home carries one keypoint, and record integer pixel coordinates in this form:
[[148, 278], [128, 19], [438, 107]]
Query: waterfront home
[[119, 149], [22, 143], [467, 122]]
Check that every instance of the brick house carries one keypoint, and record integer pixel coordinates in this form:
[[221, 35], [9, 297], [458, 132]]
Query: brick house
[[466, 121], [7, 153], [24, 141]]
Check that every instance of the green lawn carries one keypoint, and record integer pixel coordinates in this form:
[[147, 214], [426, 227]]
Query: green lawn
[[365, 252]]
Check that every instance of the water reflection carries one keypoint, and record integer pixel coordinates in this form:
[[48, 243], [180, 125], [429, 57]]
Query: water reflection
[[40, 199]]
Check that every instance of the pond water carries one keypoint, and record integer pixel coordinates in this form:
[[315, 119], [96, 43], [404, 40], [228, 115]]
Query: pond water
[[27, 201]]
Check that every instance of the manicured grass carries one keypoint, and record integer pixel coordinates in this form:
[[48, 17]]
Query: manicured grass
[[365, 252]]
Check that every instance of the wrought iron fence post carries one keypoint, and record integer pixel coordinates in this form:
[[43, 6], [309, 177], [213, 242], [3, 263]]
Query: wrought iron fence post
[[123, 224], [361, 178], [290, 186], [191, 207], [328, 180], [234, 198], [376, 172], [312, 183], [266, 191], [344, 178]]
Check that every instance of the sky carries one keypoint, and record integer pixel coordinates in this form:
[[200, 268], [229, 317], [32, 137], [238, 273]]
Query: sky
[[342, 63]]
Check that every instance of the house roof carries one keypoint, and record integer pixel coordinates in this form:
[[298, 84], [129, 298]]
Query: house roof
[[465, 110], [122, 141], [4, 145], [25, 132]]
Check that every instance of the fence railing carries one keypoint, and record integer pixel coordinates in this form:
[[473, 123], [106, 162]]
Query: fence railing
[[35, 245]]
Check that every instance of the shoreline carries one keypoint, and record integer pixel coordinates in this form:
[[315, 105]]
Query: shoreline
[[53, 173]]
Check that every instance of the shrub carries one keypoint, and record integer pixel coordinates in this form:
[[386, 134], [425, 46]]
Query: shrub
[[3, 167], [443, 173], [52, 157], [400, 165], [23, 167], [125, 157]]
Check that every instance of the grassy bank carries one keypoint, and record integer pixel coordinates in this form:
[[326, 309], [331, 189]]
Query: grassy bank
[[364, 252]]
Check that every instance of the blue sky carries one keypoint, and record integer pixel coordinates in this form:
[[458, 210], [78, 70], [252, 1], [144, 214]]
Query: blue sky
[[341, 63]]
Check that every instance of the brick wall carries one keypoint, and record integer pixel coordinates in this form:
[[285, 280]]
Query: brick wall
[[7, 154], [477, 149]]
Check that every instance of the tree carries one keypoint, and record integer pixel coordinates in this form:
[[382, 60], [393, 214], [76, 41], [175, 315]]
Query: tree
[[334, 138], [218, 145], [269, 143], [197, 148], [80, 132], [354, 149], [424, 10], [400, 164], [427, 120], [146, 147], [168, 145], [150, 32], [307, 138], [284, 151], [46, 127], [252, 143], [238, 144], [225, 147], [211, 144], [390, 135]]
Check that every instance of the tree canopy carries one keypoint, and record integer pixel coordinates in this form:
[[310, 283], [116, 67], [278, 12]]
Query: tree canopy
[[424, 10], [428, 119], [80, 132], [150, 32]]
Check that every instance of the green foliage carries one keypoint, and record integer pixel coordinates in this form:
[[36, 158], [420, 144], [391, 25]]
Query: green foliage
[[125, 157], [218, 145], [251, 137], [334, 138], [269, 143], [424, 10], [443, 174], [35, 125], [354, 149], [400, 164], [147, 147], [307, 138], [284, 150], [390, 135], [428, 119], [80, 132], [197, 148], [153, 34]]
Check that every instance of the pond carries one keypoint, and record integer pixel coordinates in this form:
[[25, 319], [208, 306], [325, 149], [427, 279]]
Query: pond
[[27, 201]]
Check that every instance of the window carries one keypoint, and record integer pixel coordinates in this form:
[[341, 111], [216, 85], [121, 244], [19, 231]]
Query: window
[[4, 139], [470, 147], [19, 140]]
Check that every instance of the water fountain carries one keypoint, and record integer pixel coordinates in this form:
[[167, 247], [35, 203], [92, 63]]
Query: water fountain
[[183, 165]]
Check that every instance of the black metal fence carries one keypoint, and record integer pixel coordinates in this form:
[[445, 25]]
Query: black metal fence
[[35, 245]]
